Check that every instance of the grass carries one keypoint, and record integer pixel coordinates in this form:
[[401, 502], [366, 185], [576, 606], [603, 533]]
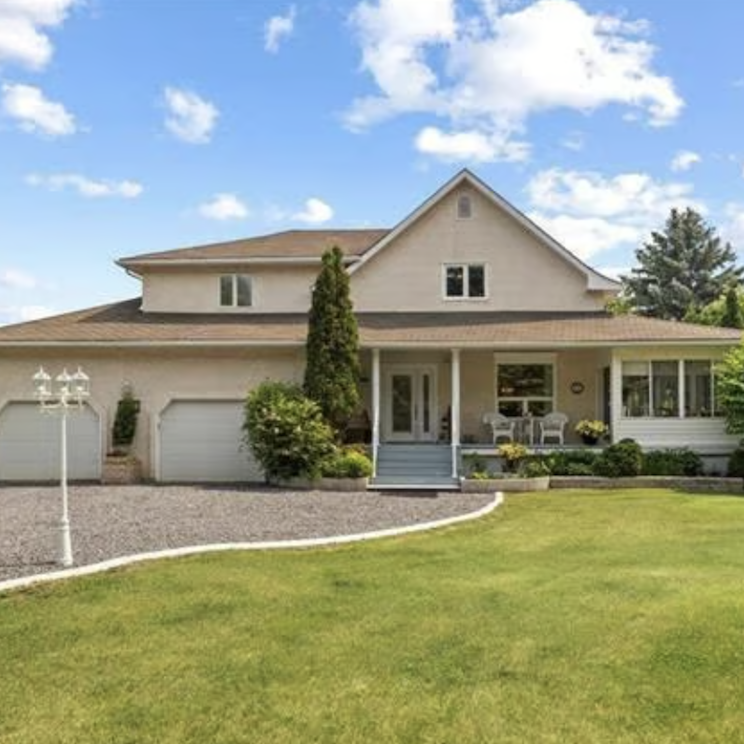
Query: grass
[[580, 617]]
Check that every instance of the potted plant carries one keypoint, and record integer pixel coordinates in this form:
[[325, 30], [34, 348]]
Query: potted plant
[[512, 453], [591, 430], [120, 465]]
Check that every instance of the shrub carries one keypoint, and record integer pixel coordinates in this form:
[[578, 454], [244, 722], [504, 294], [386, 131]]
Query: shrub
[[681, 461], [736, 463], [348, 463], [533, 468], [570, 462], [286, 432], [620, 460], [125, 421], [475, 466]]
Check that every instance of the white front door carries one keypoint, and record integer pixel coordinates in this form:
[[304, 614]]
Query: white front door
[[410, 409]]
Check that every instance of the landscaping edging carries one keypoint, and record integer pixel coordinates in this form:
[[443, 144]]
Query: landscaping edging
[[706, 484], [509, 485]]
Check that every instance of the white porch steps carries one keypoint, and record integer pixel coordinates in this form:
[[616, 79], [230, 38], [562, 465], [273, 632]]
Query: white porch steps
[[414, 467]]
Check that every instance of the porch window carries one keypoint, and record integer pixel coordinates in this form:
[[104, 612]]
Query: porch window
[[524, 389], [465, 281], [699, 388], [655, 388], [235, 291]]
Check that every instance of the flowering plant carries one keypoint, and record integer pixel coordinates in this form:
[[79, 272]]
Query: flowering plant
[[512, 453], [589, 428]]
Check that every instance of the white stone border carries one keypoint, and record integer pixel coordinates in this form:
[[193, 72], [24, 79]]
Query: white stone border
[[113, 563]]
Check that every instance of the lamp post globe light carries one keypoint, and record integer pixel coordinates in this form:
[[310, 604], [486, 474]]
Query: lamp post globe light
[[60, 395]]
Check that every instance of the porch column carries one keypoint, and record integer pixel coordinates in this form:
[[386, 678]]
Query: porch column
[[455, 425], [375, 408]]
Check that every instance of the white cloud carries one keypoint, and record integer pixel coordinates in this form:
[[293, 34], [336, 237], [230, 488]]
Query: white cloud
[[23, 313], [190, 118], [733, 228], [34, 112], [587, 236], [224, 207], [573, 141], [473, 146], [23, 39], [86, 186], [15, 279], [277, 29], [491, 72], [316, 212], [684, 160], [590, 213], [588, 192]]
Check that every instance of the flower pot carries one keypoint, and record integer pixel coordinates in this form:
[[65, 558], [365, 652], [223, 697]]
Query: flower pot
[[589, 439]]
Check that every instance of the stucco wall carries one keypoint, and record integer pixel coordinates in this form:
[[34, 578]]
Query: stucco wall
[[157, 377], [522, 273], [285, 289]]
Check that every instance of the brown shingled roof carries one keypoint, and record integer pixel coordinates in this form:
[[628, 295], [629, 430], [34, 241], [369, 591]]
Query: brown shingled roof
[[282, 245], [123, 323]]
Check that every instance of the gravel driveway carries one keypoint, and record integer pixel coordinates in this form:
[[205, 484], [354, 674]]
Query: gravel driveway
[[114, 521]]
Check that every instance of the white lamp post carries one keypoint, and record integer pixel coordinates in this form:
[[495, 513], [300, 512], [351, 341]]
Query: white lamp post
[[61, 395]]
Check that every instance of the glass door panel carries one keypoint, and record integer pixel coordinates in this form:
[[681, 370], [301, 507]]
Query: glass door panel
[[401, 389]]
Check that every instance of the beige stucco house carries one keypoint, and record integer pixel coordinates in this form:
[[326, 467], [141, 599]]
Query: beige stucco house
[[465, 307]]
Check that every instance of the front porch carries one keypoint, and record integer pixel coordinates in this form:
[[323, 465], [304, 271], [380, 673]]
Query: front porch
[[426, 408]]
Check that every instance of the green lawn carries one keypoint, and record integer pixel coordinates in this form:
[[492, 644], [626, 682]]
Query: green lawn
[[567, 617]]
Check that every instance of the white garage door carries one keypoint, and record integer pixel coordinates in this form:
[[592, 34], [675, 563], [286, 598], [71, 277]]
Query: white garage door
[[30, 444], [201, 441]]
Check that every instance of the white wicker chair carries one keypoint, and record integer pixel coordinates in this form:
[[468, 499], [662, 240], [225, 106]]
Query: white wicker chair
[[552, 426], [502, 427]]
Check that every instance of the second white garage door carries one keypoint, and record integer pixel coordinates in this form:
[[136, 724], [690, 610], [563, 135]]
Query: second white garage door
[[201, 441], [30, 444]]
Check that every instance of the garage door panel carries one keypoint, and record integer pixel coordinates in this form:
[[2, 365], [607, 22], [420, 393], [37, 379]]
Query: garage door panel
[[202, 441], [30, 444]]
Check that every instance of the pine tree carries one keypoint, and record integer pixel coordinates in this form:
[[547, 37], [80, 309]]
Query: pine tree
[[332, 348], [684, 267]]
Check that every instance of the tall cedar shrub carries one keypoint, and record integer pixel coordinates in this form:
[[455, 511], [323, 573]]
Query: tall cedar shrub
[[332, 348], [684, 266], [286, 432], [727, 310], [125, 420], [732, 314]]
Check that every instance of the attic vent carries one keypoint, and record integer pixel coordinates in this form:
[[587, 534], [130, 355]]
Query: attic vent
[[464, 207]]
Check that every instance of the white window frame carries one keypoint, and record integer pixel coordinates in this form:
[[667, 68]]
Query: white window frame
[[547, 360], [681, 413], [234, 278], [465, 266]]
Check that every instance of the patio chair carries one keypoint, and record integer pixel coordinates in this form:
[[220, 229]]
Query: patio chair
[[551, 426], [502, 427]]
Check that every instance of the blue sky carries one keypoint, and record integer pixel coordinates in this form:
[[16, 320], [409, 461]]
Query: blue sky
[[130, 126]]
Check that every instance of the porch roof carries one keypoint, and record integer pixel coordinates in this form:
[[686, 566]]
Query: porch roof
[[123, 324]]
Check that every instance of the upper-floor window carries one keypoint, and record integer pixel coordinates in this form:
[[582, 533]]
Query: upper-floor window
[[656, 388], [465, 281], [464, 207], [236, 291]]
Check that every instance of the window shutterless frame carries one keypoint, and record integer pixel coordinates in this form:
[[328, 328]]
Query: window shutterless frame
[[236, 290], [465, 281]]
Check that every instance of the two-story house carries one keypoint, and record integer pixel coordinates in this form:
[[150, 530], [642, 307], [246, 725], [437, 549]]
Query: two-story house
[[465, 307]]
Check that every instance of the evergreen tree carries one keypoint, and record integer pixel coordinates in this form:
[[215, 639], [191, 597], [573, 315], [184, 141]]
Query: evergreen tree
[[732, 314], [685, 266], [332, 348]]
